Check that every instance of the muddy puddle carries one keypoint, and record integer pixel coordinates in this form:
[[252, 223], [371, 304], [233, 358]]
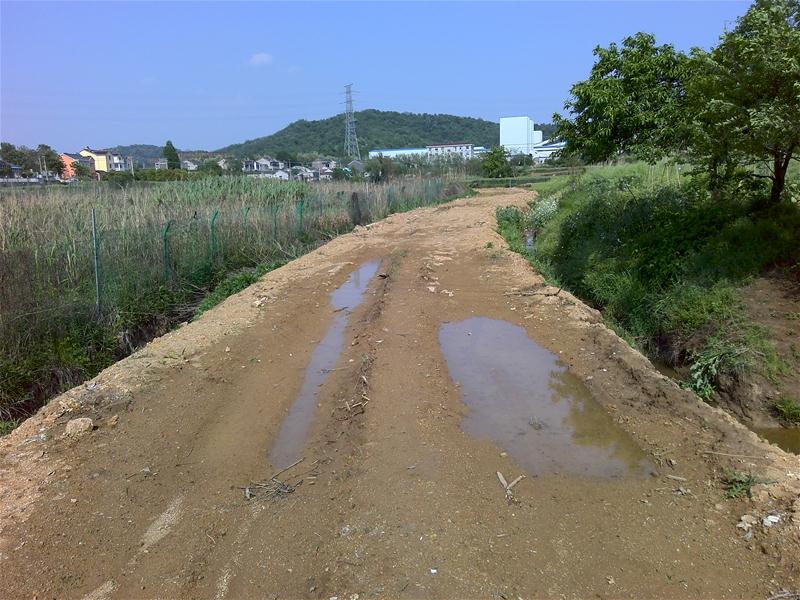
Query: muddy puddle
[[786, 438], [294, 429], [523, 398]]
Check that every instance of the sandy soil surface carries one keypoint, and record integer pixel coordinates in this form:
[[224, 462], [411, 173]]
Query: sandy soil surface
[[397, 495]]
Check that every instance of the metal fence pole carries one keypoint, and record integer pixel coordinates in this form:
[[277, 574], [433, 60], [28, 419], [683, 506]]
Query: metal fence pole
[[214, 218], [165, 238], [96, 262]]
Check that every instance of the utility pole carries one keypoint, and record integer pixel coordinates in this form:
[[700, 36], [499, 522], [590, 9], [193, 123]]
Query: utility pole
[[350, 137]]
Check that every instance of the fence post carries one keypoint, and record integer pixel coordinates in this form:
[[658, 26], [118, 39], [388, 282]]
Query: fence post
[[165, 238], [274, 210], [299, 207], [96, 262], [214, 235]]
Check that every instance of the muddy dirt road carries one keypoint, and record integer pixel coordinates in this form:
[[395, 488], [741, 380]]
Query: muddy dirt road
[[404, 365]]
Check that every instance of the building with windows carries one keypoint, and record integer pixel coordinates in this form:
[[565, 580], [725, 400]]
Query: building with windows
[[398, 152], [104, 160], [462, 149]]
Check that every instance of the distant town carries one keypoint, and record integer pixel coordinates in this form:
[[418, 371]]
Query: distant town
[[518, 137]]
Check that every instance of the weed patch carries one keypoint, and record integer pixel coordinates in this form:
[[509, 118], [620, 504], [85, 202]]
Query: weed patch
[[738, 484], [789, 409]]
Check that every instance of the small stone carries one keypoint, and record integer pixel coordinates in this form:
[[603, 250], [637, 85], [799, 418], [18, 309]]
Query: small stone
[[112, 422], [77, 427]]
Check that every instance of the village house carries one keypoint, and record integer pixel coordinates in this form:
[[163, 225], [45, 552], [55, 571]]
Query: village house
[[104, 160], [69, 160]]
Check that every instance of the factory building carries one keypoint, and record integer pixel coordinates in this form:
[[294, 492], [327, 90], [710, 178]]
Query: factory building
[[518, 135]]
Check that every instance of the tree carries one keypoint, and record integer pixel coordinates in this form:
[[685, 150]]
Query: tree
[[171, 154], [745, 95], [633, 101], [233, 166], [495, 163], [211, 167], [380, 168]]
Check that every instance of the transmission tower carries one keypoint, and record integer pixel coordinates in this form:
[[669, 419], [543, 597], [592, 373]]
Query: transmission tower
[[350, 137]]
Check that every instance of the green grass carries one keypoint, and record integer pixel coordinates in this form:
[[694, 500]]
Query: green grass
[[234, 284], [662, 260], [7, 426], [789, 409], [738, 484]]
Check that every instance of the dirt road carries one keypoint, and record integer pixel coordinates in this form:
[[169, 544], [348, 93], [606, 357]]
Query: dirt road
[[405, 364]]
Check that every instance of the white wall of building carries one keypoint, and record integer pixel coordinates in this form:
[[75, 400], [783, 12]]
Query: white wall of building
[[398, 152], [518, 135]]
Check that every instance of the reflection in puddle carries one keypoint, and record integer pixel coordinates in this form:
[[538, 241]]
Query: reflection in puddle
[[525, 400], [786, 438], [295, 426]]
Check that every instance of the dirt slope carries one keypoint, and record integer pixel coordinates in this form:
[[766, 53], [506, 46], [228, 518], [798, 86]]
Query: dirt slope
[[392, 499]]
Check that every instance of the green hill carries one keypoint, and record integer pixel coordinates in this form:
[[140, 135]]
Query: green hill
[[376, 129]]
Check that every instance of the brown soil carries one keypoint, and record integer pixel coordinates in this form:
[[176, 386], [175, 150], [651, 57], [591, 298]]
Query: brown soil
[[393, 499], [773, 302]]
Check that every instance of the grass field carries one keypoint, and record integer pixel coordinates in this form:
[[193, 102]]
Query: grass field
[[66, 311]]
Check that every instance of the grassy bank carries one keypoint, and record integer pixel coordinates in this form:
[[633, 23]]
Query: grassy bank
[[663, 261], [74, 300]]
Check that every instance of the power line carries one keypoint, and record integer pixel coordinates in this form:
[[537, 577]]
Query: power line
[[350, 137]]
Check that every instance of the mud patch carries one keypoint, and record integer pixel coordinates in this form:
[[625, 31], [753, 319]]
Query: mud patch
[[294, 429], [523, 398]]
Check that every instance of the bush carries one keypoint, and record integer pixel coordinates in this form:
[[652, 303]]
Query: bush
[[661, 259]]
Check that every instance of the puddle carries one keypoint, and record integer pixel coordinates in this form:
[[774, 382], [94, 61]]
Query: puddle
[[294, 429], [523, 398], [786, 438], [666, 370]]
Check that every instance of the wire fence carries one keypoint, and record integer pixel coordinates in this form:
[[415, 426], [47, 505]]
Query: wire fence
[[85, 278]]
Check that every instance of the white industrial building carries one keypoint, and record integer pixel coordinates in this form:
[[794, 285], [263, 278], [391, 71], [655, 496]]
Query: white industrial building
[[398, 152], [518, 135]]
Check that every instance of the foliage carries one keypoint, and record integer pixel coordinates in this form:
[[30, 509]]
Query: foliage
[[729, 110], [376, 129], [745, 94], [162, 247], [380, 168], [789, 409], [234, 284], [211, 167], [633, 101], [739, 484], [662, 260], [171, 154], [495, 163], [32, 160]]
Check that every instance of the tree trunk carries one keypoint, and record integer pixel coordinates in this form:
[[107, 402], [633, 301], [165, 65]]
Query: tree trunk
[[780, 166]]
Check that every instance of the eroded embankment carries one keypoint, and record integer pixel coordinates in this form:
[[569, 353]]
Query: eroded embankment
[[397, 493]]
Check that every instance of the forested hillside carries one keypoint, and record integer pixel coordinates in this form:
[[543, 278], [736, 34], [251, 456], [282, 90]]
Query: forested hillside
[[376, 129]]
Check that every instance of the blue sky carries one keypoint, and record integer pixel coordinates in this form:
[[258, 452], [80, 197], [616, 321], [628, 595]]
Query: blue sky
[[207, 74]]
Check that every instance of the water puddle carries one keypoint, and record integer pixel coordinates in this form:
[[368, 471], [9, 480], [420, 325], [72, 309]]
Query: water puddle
[[786, 438], [523, 398], [294, 429]]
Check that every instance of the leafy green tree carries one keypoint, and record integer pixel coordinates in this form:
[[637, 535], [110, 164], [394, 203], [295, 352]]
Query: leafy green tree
[[495, 163], [81, 171], [745, 95], [380, 168], [171, 154], [633, 101], [233, 166], [210, 167]]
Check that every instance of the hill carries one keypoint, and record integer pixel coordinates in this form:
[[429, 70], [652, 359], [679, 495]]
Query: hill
[[376, 129]]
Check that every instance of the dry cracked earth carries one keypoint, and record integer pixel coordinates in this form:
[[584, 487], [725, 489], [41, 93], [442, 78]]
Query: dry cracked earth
[[452, 428]]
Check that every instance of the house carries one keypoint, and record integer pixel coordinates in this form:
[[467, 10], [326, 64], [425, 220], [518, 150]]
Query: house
[[325, 174], [356, 165], [189, 165], [161, 164], [68, 160], [462, 149], [323, 163], [280, 174], [545, 150], [104, 160]]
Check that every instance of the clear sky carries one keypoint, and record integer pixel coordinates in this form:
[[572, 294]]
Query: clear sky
[[208, 74]]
